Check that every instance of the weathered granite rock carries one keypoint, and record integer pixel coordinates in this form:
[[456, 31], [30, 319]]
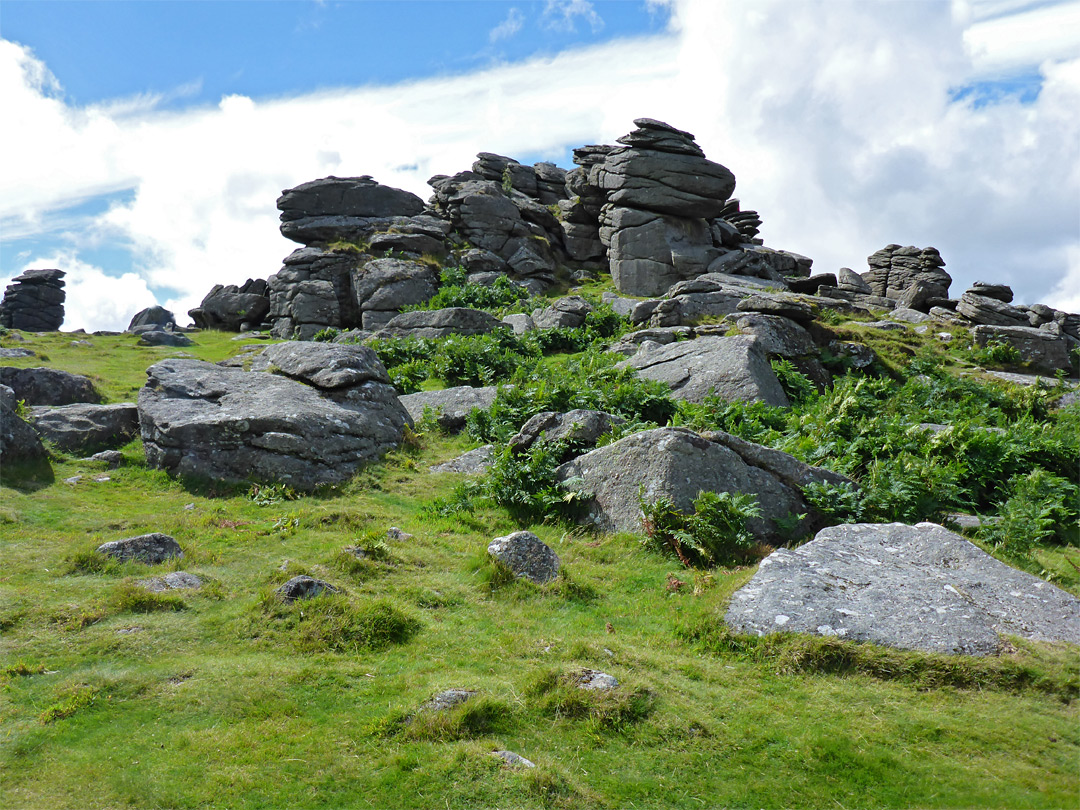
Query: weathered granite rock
[[18, 441], [850, 281], [448, 699], [811, 284], [679, 464], [342, 371], [159, 337], [567, 312], [348, 208], [450, 405], [894, 270], [579, 428], [8, 353], [778, 336], [304, 587], [437, 323], [34, 301], [152, 549], [527, 556], [114, 458], [474, 462], [732, 368], [312, 291], [1041, 349], [628, 344], [990, 311], [227, 424], [229, 308], [173, 581], [48, 386], [594, 680], [513, 760], [390, 284], [913, 587], [999, 292], [85, 428], [153, 316], [785, 306]]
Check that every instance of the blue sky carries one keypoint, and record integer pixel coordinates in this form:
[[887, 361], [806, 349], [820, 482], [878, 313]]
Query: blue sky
[[154, 137]]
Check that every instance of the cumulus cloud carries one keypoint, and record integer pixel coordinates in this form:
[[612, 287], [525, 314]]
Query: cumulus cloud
[[513, 23], [841, 121], [562, 15]]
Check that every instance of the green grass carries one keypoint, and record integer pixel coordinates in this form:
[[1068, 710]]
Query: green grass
[[225, 697]]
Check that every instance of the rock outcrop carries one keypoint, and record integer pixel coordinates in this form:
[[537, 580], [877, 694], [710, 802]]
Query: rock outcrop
[[83, 428], [915, 587], [18, 441], [155, 317], [910, 275], [34, 301], [48, 386], [231, 308]]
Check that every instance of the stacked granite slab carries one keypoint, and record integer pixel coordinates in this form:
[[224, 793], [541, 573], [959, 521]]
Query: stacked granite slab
[[231, 307], [34, 301], [911, 276]]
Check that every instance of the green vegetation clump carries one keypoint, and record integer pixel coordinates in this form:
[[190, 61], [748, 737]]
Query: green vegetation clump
[[715, 533]]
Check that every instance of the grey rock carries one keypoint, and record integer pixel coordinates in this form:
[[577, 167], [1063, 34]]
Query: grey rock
[[568, 312], [450, 405], [304, 587], [437, 323], [18, 441], [159, 337], [914, 587], [667, 183], [778, 336], [114, 458], [34, 301], [579, 428], [594, 680], [909, 315], [476, 260], [227, 424], [340, 207], [990, 311], [894, 269], [173, 581], [849, 280], [228, 308], [474, 462], [527, 556], [812, 283], [85, 428], [854, 355], [513, 760], [999, 292], [153, 316], [1041, 350], [732, 368], [390, 284], [520, 323], [412, 244], [152, 549], [448, 699], [48, 386], [679, 464], [327, 366], [784, 306], [628, 344], [11, 354]]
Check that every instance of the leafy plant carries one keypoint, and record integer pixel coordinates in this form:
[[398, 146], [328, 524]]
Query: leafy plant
[[716, 533]]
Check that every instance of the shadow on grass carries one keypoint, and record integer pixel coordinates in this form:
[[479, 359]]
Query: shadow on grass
[[27, 476]]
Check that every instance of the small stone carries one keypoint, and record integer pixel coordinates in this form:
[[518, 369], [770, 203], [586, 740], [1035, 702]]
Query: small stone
[[595, 680], [150, 548], [304, 587], [513, 760], [448, 699], [394, 533], [527, 556]]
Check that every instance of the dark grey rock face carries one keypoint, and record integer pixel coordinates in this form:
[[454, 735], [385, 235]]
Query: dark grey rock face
[[332, 208], [84, 428], [48, 386], [450, 405], [152, 316], [229, 308], [437, 323], [1042, 349], [18, 441], [227, 424], [909, 273], [733, 368], [159, 337], [527, 556], [34, 301], [913, 587], [580, 428], [568, 312], [304, 587], [150, 548], [679, 464]]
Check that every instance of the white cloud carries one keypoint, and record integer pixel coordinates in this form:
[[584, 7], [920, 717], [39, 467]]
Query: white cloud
[[513, 23], [561, 15], [1001, 44], [836, 118]]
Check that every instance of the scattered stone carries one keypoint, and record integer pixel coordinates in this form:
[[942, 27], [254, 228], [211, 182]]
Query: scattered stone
[[448, 699], [13, 354], [114, 458], [394, 533], [513, 760], [595, 680], [519, 323], [527, 556], [152, 549], [913, 587], [86, 428], [159, 337], [176, 580], [48, 386], [34, 301], [732, 368], [474, 462], [304, 587], [451, 406]]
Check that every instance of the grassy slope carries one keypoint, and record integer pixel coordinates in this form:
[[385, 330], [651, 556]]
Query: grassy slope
[[220, 705]]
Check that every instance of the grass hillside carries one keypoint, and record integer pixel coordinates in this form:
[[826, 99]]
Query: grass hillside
[[226, 697]]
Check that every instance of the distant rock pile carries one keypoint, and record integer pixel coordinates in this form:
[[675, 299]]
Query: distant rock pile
[[34, 301], [233, 308]]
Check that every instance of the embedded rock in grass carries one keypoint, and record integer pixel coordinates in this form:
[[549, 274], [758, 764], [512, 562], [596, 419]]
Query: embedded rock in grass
[[85, 428], [48, 386], [527, 556], [513, 760], [175, 580], [451, 406], [114, 458], [732, 368], [679, 464], [227, 424], [304, 587], [914, 587], [18, 441], [150, 548], [473, 462], [595, 680], [448, 699]]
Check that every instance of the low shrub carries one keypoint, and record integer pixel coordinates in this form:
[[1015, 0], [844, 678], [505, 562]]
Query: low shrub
[[716, 533], [559, 695]]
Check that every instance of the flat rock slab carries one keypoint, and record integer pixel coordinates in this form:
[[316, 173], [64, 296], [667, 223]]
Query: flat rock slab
[[174, 581], [152, 549], [228, 424], [48, 386], [451, 406], [474, 462], [86, 428], [916, 587], [527, 556], [733, 368]]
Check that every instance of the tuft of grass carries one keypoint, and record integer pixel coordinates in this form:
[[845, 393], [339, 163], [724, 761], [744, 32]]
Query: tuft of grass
[[557, 695], [68, 702], [128, 597], [481, 716], [333, 622]]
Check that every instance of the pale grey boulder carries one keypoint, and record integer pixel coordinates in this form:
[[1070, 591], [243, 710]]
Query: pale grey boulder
[[679, 464], [173, 581], [328, 366], [916, 587], [1042, 349], [204, 420], [733, 368], [990, 311], [568, 312], [527, 556], [86, 428], [451, 406], [473, 462], [778, 336], [152, 549], [895, 269]]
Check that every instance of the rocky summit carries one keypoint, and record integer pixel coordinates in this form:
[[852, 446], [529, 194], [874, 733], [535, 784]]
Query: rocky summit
[[34, 301]]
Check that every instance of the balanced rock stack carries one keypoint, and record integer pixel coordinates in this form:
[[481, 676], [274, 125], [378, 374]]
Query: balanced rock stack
[[661, 195], [34, 301], [911, 276]]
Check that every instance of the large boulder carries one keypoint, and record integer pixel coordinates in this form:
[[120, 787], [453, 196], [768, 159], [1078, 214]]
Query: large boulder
[[679, 464], [451, 406], [909, 273], [151, 549], [155, 316], [438, 323], [337, 412], [34, 301], [48, 386], [386, 286], [333, 208], [229, 308], [982, 309], [527, 556], [733, 368], [18, 441], [83, 428], [1043, 349], [914, 587], [579, 429]]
